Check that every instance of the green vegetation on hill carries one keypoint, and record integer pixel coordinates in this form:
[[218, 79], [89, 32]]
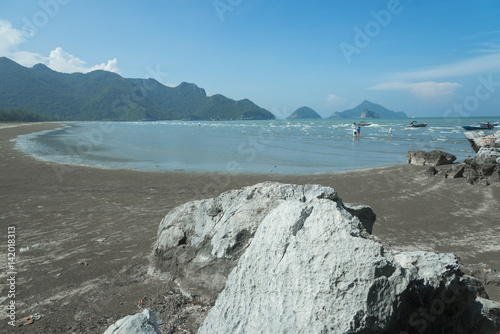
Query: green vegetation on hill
[[375, 109], [101, 95], [304, 113], [21, 116]]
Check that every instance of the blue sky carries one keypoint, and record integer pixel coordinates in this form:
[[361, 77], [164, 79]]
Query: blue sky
[[427, 58]]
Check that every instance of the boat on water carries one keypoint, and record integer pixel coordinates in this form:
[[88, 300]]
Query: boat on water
[[482, 126], [415, 124], [364, 124]]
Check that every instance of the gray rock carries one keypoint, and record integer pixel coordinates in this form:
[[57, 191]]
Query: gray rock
[[295, 259], [431, 172], [483, 168], [199, 243], [481, 173], [364, 213], [487, 155], [140, 323], [478, 139], [308, 269], [432, 158], [456, 171], [491, 309]]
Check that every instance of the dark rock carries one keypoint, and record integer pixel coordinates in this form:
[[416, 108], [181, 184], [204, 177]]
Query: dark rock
[[481, 173], [456, 171], [431, 172], [483, 273], [432, 158], [492, 310], [495, 175], [364, 213]]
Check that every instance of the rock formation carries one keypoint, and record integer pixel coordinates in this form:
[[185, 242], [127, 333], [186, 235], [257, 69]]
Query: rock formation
[[200, 242], [478, 139], [483, 169], [300, 262], [485, 166], [140, 323], [432, 158]]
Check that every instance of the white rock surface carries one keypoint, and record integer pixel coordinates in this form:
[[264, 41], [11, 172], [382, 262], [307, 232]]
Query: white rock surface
[[140, 323], [487, 155], [295, 259], [309, 270], [200, 242], [478, 139]]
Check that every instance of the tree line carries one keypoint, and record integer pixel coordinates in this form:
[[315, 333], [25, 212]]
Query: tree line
[[22, 116]]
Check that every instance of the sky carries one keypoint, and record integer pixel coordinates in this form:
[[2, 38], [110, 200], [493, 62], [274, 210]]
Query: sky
[[426, 58]]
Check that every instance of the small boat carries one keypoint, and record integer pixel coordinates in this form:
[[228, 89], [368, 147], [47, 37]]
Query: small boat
[[482, 126], [364, 124], [415, 124]]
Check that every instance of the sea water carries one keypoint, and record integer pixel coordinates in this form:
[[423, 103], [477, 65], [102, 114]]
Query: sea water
[[277, 146]]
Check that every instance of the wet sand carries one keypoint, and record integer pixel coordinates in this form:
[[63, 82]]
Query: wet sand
[[86, 233]]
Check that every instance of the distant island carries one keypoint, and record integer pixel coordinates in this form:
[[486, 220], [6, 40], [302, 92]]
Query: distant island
[[368, 109], [40, 93], [304, 113]]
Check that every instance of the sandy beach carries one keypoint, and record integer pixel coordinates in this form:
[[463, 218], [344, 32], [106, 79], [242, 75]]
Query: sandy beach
[[83, 236]]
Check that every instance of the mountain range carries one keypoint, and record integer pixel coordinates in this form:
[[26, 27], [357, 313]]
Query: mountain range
[[368, 108], [102, 95]]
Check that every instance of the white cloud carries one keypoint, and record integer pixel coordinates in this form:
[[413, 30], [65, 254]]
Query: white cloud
[[476, 65], [335, 100], [61, 61], [26, 58], [426, 89], [9, 37], [111, 66], [58, 59]]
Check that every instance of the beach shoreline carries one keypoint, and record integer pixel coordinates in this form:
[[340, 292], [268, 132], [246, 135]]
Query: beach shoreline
[[87, 233]]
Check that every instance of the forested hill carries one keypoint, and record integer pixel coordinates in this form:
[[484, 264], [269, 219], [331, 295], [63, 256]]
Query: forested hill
[[304, 113], [102, 95], [359, 110]]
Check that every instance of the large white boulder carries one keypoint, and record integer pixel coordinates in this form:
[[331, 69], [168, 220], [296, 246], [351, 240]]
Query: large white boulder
[[309, 269], [296, 259], [200, 242]]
